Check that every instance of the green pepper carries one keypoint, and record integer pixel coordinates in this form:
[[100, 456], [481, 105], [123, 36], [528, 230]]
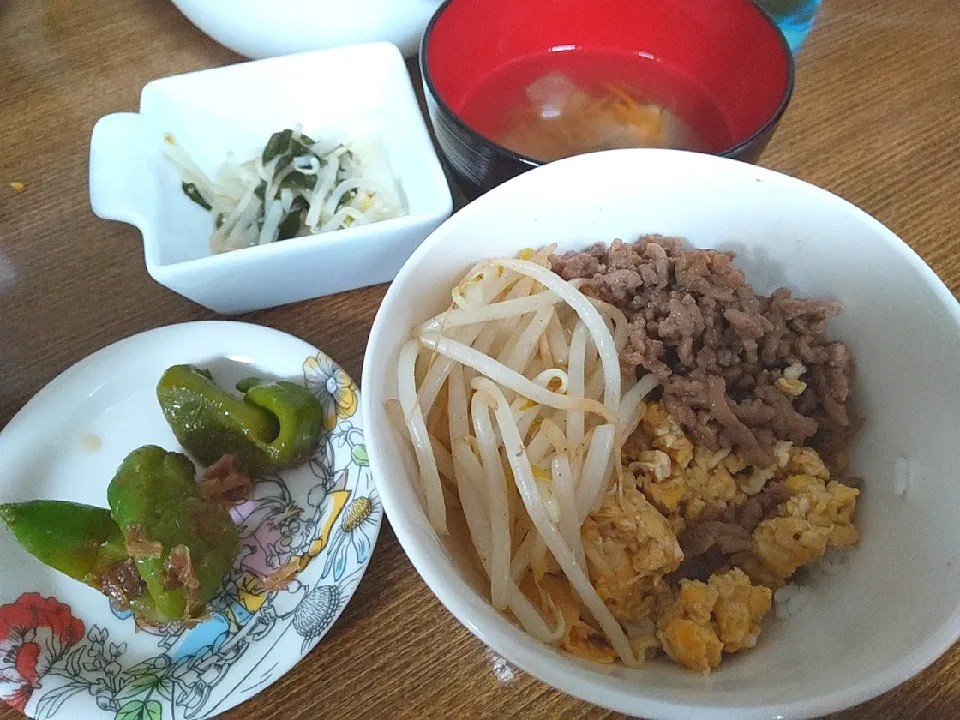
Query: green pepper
[[275, 425], [186, 543], [84, 543], [78, 540], [161, 549]]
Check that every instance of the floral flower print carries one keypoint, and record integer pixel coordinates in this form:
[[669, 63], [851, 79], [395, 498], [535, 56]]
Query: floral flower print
[[316, 612], [332, 386], [35, 632], [358, 530], [268, 525]]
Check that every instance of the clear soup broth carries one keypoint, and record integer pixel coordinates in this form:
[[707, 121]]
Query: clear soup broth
[[558, 104]]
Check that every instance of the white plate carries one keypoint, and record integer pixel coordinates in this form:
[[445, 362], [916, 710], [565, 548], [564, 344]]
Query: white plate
[[236, 109], [63, 653], [258, 28]]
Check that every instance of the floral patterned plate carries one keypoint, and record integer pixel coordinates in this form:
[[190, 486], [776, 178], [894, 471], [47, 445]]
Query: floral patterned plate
[[63, 652]]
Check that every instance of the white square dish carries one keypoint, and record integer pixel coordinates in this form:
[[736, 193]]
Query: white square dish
[[359, 91]]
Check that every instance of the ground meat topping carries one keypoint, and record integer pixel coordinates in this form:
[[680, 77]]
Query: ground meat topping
[[138, 545], [727, 536], [225, 482], [179, 572], [282, 576], [120, 582], [739, 369], [763, 505]]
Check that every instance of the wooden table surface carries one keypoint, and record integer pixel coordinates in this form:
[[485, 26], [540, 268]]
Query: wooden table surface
[[874, 118]]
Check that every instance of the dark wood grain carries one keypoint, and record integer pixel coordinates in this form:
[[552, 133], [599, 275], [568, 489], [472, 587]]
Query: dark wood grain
[[874, 118]]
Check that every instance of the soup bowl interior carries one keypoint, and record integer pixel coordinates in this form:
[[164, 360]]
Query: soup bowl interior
[[729, 49], [894, 607]]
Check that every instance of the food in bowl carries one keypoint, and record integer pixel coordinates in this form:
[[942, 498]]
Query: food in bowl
[[720, 68], [639, 448], [295, 186], [559, 104], [786, 233]]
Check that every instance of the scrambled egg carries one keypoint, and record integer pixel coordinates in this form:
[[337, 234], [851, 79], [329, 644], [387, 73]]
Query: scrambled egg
[[580, 638], [630, 545], [824, 505], [790, 383], [818, 515], [683, 479], [677, 478], [707, 619], [780, 546]]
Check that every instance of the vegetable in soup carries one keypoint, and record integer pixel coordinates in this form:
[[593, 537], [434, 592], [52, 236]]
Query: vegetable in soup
[[559, 104]]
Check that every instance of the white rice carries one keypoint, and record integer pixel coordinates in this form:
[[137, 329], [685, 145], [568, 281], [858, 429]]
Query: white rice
[[793, 597], [902, 474], [833, 562]]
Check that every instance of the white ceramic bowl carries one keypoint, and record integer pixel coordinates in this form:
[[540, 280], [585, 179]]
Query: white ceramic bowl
[[894, 610], [259, 29], [235, 109]]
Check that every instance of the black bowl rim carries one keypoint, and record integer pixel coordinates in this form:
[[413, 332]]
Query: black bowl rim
[[732, 152]]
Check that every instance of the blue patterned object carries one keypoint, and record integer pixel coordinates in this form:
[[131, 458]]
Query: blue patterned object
[[793, 17]]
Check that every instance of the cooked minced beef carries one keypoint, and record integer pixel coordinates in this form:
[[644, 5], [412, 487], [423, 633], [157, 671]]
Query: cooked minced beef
[[709, 545], [719, 348], [121, 582], [761, 506], [729, 538]]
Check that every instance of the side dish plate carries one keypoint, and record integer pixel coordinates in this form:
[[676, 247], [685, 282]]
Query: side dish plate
[[63, 652]]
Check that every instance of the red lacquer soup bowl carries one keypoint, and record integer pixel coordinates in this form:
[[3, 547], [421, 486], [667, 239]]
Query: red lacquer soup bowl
[[722, 66]]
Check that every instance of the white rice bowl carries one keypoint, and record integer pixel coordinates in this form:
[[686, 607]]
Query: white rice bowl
[[892, 608]]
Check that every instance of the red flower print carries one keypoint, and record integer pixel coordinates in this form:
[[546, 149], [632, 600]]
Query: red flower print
[[24, 676], [35, 632], [19, 699], [25, 662]]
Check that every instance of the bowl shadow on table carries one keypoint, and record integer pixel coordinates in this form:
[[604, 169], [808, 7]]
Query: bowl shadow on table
[[59, 30]]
